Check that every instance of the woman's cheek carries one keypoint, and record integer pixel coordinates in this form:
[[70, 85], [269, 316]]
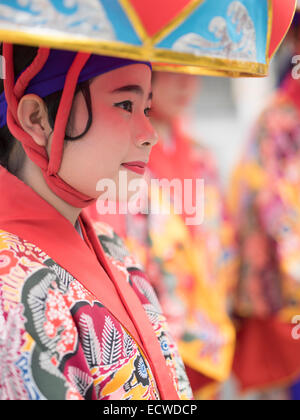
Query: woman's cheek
[[113, 114]]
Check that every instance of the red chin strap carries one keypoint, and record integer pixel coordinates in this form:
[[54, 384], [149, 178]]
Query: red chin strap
[[38, 154]]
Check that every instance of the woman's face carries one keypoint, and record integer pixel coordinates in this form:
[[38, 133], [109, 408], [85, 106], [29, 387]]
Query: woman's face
[[121, 132], [172, 93]]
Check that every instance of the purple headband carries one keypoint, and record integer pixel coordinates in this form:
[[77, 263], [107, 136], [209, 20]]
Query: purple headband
[[52, 77]]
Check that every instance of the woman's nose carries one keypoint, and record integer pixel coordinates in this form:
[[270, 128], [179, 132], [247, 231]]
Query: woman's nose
[[147, 136]]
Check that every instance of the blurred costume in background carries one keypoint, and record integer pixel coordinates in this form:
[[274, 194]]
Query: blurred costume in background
[[265, 202], [192, 267]]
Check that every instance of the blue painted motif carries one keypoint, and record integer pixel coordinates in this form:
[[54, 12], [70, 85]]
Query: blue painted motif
[[16, 5], [77, 16], [123, 29], [216, 32], [230, 29]]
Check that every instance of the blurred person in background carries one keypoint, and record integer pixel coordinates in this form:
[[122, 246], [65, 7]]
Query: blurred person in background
[[265, 202], [192, 267]]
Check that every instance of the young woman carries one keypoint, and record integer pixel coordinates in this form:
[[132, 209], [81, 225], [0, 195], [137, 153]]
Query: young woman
[[78, 318]]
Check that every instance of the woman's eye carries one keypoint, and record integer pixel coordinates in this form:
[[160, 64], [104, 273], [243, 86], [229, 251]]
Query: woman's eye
[[126, 105], [147, 112]]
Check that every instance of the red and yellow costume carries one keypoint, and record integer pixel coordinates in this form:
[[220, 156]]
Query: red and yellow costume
[[265, 204]]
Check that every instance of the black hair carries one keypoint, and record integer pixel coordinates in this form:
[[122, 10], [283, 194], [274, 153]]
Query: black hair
[[11, 151]]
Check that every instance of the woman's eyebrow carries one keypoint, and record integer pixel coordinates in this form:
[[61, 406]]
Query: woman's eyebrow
[[132, 88]]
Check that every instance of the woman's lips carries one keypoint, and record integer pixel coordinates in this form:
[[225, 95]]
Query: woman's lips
[[137, 167]]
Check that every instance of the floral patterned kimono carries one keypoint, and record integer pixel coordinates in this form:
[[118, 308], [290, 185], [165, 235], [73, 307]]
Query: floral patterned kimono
[[58, 340], [265, 201], [192, 267]]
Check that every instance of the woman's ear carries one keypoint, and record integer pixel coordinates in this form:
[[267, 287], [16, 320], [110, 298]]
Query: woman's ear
[[33, 117]]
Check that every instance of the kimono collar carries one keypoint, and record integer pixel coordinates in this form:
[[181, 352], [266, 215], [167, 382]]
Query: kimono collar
[[25, 214]]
